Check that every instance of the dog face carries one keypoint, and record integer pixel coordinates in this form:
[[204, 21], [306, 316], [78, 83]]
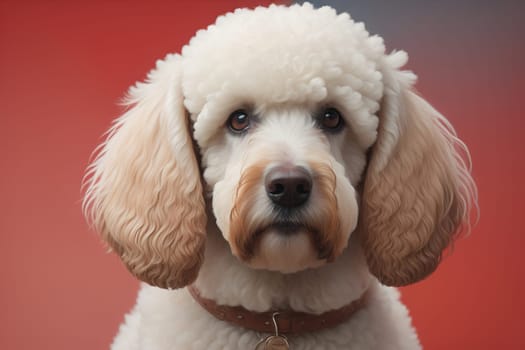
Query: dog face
[[281, 197], [305, 129]]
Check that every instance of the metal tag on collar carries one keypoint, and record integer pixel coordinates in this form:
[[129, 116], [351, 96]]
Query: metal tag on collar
[[273, 342]]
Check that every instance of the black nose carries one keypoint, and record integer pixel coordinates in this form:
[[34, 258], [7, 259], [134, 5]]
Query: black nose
[[288, 186]]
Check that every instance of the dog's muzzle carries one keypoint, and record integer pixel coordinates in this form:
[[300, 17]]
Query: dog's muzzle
[[285, 217]]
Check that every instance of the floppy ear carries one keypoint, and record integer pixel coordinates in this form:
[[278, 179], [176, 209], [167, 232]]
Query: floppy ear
[[418, 190], [144, 191]]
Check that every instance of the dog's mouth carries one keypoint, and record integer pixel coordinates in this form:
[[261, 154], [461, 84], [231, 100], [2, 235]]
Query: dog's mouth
[[284, 228], [288, 229], [286, 246]]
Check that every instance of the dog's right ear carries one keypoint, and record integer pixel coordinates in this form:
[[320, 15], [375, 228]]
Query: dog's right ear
[[144, 192]]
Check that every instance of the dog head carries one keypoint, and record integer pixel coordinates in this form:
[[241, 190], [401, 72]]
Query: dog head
[[298, 129]]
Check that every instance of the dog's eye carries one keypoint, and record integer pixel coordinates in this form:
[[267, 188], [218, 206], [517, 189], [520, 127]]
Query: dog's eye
[[239, 121], [331, 119]]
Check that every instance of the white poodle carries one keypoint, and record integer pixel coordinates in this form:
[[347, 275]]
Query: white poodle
[[283, 168]]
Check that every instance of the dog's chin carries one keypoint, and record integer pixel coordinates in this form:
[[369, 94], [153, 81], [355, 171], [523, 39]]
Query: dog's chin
[[285, 249]]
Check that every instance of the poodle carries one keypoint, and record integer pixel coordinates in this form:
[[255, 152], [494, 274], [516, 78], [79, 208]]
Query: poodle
[[273, 184]]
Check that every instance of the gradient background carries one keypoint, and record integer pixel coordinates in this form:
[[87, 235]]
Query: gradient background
[[63, 67]]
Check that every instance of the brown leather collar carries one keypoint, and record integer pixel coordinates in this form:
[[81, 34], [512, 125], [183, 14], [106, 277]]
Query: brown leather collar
[[287, 321]]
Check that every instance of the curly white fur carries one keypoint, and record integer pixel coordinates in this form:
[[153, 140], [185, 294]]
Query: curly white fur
[[390, 190]]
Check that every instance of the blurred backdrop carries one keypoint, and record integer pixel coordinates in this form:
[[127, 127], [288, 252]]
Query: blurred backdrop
[[64, 65]]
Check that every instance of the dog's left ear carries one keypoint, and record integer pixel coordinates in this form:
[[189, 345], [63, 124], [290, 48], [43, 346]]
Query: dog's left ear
[[418, 190], [144, 191]]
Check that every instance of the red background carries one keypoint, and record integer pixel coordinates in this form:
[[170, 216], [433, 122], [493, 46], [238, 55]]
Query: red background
[[63, 67]]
